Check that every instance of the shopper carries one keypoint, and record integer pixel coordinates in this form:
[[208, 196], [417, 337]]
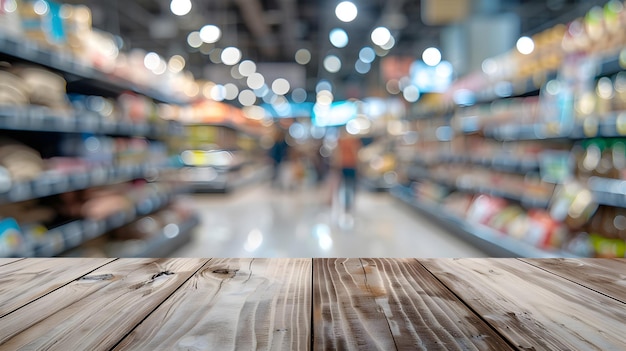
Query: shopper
[[347, 160], [278, 153]]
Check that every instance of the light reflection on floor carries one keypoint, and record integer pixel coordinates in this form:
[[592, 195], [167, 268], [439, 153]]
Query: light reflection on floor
[[263, 222]]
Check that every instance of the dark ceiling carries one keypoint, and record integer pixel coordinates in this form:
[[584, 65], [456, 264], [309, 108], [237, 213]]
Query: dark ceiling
[[272, 30]]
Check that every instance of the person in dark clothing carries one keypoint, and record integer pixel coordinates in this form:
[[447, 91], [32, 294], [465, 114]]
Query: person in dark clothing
[[277, 153]]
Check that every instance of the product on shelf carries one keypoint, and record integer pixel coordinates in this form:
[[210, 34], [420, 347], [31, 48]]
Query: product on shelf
[[13, 89], [45, 88], [11, 238], [23, 84], [21, 162]]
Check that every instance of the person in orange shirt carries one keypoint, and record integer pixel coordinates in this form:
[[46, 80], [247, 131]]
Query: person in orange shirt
[[347, 151]]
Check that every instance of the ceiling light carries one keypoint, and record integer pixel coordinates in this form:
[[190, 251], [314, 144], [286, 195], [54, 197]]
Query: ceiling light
[[218, 92], [431, 56], [231, 56], [230, 91], [151, 60], [247, 67], [262, 92], [323, 85], [180, 7], [194, 40], [389, 44], [362, 67], [367, 54], [338, 37], [255, 81], [176, 63], [410, 93], [11, 6], [303, 56], [160, 68], [280, 86], [380, 36], [247, 97], [392, 86], [525, 45], [41, 7], [346, 11], [216, 55], [299, 95], [210, 34], [332, 63], [234, 72]]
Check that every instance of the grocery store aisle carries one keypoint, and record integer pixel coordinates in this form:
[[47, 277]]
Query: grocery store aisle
[[263, 222]]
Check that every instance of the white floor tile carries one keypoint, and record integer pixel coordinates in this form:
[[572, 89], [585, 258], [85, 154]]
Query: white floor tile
[[263, 222]]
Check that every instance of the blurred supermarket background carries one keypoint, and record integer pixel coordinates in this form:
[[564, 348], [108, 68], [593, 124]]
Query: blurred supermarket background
[[221, 128]]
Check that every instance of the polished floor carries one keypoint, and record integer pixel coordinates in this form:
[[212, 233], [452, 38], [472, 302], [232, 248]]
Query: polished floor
[[259, 221]]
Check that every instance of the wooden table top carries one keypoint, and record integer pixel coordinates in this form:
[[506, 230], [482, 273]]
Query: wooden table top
[[320, 304]]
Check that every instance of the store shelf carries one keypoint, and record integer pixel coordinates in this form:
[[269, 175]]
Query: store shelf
[[502, 163], [162, 244], [485, 238], [415, 174], [42, 119], [249, 131], [607, 126], [609, 192], [73, 234], [226, 180], [610, 65], [513, 89], [50, 183], [85, 78], [376, 185]]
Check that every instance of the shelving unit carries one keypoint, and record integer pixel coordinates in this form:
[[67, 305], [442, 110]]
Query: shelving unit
[[246, 165], [71, 235], [83, 77], [487, 239], [87, 80], [546, 111]]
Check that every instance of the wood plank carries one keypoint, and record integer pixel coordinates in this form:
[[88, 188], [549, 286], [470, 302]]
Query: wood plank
[[96, 311], [6, 260], [391, 304], [604, 275], [534, 309], [233, 304], [26, 280]]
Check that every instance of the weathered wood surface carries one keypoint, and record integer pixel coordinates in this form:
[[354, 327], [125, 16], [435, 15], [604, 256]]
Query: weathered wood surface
[[4, 260], [97, 310], [391, 304], [233, 304], [604, 275], [534, 309], [296, 304], [26, 280]]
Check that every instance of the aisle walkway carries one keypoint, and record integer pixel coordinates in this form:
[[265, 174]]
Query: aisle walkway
[[261, 222]]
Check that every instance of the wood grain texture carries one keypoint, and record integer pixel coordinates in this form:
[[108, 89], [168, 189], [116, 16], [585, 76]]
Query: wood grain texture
[[534, 309], [5, 261], [233, 304], [26, 280], [97, 310], [604, 275], [391, 304]]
